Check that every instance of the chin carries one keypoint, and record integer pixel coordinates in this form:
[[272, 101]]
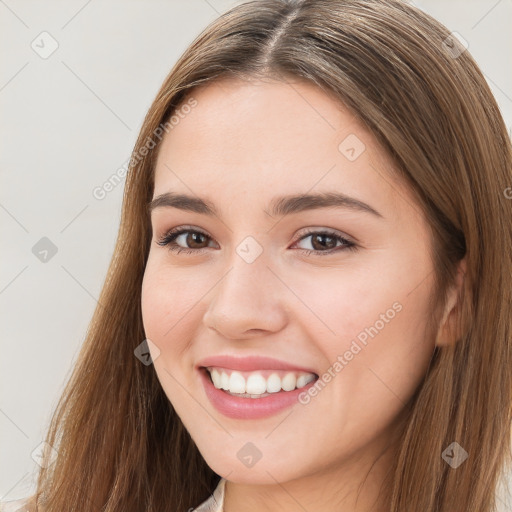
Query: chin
[[260, 473]]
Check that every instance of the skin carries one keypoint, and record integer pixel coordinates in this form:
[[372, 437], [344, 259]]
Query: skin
[[243, 144]]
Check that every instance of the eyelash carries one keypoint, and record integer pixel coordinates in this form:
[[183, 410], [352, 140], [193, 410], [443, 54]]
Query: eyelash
[[170, 236]]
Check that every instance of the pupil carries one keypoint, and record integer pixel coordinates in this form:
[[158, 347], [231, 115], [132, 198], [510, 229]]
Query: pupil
[[323, 238], [194, 237]]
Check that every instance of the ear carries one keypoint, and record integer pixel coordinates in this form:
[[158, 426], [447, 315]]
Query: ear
[[448, 333]]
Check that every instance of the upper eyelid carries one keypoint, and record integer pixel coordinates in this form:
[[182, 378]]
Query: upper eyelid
[[308, 232]]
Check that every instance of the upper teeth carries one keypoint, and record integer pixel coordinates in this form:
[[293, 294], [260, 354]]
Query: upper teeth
[[258, 382]]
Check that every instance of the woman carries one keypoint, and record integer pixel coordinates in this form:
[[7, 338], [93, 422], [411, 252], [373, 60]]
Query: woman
[[308, 306]]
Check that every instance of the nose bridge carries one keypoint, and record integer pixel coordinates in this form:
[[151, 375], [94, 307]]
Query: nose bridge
[[248, 296]]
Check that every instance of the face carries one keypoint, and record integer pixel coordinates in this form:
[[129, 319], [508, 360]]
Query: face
[[316, 306]]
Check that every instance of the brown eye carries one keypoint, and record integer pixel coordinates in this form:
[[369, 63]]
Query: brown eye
[[326, 242], [193, 240], [322, 241]]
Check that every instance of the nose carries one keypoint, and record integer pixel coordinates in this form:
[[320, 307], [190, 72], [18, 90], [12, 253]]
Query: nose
[[248, 301]]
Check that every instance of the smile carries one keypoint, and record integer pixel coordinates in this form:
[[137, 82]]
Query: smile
[[253, 394], [259, 383]]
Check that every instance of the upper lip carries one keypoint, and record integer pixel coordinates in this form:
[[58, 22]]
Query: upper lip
[[251, 363]]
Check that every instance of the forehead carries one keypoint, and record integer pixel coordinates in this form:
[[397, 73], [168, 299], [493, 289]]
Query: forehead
[[245, 141]]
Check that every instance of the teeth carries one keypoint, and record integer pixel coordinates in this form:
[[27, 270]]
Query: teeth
[[273, 383], [236, 383], [255, 385], [224, 381], [289, 381], [216, 379], [302, 380]]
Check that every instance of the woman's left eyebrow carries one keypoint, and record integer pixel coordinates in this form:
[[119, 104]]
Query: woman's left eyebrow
[[279, 206]]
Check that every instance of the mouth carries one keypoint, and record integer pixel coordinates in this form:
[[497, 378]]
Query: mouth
[[236, 403], [257, 384], [253, 387]]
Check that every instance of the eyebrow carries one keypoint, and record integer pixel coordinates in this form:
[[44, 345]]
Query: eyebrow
[[279, 206]]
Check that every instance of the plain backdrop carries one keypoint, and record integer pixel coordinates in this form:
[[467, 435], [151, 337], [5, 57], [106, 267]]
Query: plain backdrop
[[76, 80]]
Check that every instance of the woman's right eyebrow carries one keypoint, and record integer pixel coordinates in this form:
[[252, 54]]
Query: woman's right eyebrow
[[279, 206]]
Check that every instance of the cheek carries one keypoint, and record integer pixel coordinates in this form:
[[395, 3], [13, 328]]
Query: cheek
[[337, 307], [170, 321], [167, 302], [370, 327]]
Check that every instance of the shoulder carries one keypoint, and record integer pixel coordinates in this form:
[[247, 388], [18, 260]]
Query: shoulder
[[21, 505]]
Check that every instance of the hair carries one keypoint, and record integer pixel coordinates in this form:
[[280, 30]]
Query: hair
[[121, 446]]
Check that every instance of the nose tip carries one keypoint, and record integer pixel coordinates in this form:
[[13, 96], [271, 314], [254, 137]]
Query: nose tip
[[241, 305], [238, 325]]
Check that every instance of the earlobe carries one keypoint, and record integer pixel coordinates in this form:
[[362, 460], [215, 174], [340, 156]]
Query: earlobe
[[449, 330]]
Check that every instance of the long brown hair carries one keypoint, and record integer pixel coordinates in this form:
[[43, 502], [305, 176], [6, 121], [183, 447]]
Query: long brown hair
[[122, 447]]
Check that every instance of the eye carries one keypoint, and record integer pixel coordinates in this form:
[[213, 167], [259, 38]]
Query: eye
[[326, 242], [323, 242], [186, 235]]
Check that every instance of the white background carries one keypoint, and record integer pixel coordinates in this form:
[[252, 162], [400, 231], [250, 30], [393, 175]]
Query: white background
[[68, 123]]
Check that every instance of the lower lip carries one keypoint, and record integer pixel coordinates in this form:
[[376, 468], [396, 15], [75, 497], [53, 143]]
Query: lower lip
[[249, 408]]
